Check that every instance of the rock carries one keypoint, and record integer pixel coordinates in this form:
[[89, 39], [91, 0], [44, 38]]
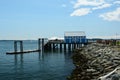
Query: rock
[[95, 60], [115, 77]]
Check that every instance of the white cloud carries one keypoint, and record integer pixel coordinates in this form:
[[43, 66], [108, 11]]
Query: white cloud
[[102, 6], [80, 3], [111, 16], [84, 7], [81, 12], [117, 2]]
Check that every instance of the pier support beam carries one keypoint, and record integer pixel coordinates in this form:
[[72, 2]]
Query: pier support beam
[[64, 46], [60, 47], [69, 47], [53, 46]]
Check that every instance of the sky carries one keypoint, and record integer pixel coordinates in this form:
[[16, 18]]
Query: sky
[[33, 19]]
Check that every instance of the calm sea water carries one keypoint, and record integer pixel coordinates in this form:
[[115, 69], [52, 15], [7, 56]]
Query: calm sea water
[[33, 66]]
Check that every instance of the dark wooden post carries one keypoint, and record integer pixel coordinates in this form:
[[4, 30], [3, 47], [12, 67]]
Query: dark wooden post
[[53, 46], [39, 44], [21, 46], [50, 47], [77, 45], [42, 44], [69, 47], [74, 46], [15, 46], [64, 46], [60, 46]]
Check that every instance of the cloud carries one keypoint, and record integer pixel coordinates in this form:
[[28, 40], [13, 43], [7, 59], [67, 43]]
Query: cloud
[[81, 12], [111, 16], [102, 6], [85, 7], [80, 3], [117, 2]]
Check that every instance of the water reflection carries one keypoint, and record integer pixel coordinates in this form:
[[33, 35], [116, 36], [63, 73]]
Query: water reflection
[[17, 57], [40, 55], [56, 65]]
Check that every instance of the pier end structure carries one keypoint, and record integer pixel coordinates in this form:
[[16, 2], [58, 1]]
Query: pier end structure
[[75, 37]]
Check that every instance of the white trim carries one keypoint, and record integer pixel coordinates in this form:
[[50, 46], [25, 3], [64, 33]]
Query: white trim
[[75, 33]]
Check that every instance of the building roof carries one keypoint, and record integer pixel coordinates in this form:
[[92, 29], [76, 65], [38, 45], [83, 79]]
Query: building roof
[[74, 33]]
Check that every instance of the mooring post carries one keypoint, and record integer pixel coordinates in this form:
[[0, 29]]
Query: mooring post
[[49, 46], [39, 44], [21, 46], [74, 46], [42, 44], [53, 46], [64, 46], [77, 45], [15, 46], [69, 47], [60, 46]]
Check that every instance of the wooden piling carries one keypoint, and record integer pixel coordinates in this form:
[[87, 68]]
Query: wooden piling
[[60, 46], [21, 46], [42, 44], [64, 46], [53, 46], [50, 47], [39, 44], [15, 46], [69, 47]]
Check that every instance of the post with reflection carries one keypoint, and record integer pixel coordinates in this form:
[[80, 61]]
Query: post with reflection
[[53, 47], [69, 47], [60, 47], [42, 44], [21, 46], [64, 46], [15, 46], [39, 44]]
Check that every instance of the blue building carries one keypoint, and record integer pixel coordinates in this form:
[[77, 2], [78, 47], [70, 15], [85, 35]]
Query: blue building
[[75, 37]]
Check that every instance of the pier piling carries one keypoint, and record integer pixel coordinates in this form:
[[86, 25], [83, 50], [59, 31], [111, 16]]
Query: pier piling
[[16, 45]]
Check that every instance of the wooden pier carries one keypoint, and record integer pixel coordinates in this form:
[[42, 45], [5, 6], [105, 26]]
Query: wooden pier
[[61, 45], [46, 45]]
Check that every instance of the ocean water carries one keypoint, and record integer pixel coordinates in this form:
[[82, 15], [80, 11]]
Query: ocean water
[[33, 66]]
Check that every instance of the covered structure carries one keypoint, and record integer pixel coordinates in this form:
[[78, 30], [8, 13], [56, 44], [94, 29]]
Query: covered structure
[[78, 37]]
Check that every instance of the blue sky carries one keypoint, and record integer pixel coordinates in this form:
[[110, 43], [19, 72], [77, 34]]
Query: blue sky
[[32, 19]]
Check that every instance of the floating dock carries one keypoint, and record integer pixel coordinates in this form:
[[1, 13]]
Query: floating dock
[[27, 51]]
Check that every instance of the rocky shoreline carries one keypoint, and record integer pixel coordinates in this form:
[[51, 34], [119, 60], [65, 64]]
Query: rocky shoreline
[[96, 62]]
